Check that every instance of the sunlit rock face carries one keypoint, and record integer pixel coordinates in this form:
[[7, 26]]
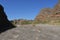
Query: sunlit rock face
[[56, 12], [56, 8], [44, 14], [49, 14]]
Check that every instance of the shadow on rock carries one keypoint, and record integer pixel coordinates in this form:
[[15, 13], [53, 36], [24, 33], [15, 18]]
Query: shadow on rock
[[5, 24]]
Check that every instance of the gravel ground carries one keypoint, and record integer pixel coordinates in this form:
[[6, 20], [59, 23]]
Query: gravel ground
[[29, 32]]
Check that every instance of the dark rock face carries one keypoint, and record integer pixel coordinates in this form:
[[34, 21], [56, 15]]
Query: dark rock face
[[4, 22]]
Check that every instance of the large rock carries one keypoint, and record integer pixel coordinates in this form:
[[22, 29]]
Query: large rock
[[48, 14], [4, 22]]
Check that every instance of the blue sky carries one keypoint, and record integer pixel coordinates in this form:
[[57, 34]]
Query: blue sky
[[25, 9]]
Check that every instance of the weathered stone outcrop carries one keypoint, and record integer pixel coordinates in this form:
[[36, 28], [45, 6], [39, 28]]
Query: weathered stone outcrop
[[48, 14]]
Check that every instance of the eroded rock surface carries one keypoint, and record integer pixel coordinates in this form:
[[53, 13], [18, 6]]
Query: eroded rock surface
[[28, 32]]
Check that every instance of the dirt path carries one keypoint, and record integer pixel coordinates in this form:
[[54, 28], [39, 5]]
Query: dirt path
[[28, 32]]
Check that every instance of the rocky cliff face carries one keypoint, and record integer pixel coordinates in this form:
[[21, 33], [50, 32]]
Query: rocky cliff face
[[4, 22], [48, 14], [44, 14]]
